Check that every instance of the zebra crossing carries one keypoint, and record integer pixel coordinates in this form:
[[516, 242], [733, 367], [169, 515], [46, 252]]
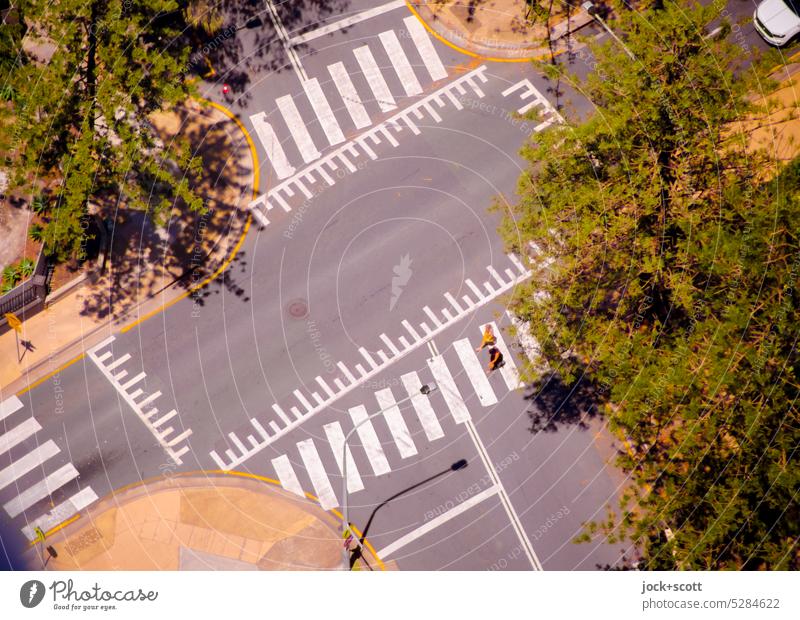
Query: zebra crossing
[[375, 449], [307, 402], [142, 402], [29, 474]]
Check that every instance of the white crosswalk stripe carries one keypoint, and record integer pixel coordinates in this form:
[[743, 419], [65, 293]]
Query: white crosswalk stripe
[[18, 434], [286, 476], [323, 111], [422, 405], [426, 50], [298, 129], [400, 63], [61, 513], [40, 490], [447, 386], [28, 462], [509, 370], [369, 440], [269, 140], [335, 436], [396, 423], [9, 406], [475, 373], [375, 79], [316, 472], [349, 95]]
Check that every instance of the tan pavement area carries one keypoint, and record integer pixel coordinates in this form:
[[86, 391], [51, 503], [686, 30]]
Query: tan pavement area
[[147, 267], [199, 522]]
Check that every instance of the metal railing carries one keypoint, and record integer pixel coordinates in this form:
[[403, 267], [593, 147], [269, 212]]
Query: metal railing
[[28, 294]]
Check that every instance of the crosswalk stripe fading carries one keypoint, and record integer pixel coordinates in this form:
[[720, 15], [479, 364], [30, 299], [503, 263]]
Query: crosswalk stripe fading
[[269, 140], [61, 513], [286, 475], [349, 95]]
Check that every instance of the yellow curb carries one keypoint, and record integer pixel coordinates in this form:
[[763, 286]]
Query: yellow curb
[[791, 59], [239, 243], [475, 54], [50, 374], [240, 474]]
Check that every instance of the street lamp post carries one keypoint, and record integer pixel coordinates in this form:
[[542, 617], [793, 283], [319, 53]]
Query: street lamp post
[[424, 390], [591, 9]]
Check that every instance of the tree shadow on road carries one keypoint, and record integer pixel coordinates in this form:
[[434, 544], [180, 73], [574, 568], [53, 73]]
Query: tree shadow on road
[[556, 404]]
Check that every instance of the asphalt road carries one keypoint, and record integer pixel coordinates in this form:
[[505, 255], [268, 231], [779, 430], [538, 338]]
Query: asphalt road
[[327, 308]]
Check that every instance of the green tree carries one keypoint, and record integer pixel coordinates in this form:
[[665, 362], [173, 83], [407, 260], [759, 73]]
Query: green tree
[[672, 292], [84, 114]]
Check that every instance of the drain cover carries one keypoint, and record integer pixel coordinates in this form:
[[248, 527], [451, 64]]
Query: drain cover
[[298, 309]]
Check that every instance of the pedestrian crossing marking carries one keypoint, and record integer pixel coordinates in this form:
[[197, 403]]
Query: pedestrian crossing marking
[[336, 438], [422, 405], [18, 434], [349, 95], [374, 78], [323, 111], [40, 490], [298, 130], [396, 423], [509, 370], [425, 47], [369, 441], [272, 145], [28, 462], [9, 406], [286, 476], [316, 472], [447, 386], [400, 63], [61, 513], [475, 373]]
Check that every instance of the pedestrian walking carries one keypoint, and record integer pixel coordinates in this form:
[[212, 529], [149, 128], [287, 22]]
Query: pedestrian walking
[[488, 338], [495, 359]]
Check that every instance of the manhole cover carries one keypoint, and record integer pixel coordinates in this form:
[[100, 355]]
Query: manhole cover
[[298, 309]]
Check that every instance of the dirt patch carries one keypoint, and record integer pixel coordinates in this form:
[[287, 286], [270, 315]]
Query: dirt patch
[[14, 223]]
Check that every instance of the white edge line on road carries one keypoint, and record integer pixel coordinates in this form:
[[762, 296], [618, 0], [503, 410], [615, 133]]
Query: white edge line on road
[[434, 523], [346, 22]]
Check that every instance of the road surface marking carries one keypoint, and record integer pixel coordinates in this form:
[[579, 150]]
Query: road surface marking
[[323, 110], [316, 472], [294, 59], [400, 63], [40, 490], [454, 303], [9, 406], [149, 399], [434, 523], [422, 405], [374, 78], [133, 381], [370, 442], [303, 401], [509, 370], [346, 371], [324, 385], [444, 380], [286, 475], [269, 140], [529, 344], [30, 461], [347, 22], [475, 289], [432, 316], [61, 513], [349, 95], [18, 434], [425, 47], [119, 362], [396, 423], [390, 344], [335, 436], [525, 542], [475, 372], [298, 129], [410, 330]]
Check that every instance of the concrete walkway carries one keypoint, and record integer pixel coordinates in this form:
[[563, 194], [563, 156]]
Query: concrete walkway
[[199, 522]]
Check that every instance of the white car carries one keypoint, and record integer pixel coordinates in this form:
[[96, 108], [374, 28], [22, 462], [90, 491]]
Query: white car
[[778, 21]]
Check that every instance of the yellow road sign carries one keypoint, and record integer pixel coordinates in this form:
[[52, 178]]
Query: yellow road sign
[[13, 321]]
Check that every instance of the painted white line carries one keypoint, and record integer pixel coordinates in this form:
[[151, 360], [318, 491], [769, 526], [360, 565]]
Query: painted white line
[[509, 370], [100, 345], [404, 342], [120, 376], [281, 413], [444, 380], [475, 372], [18, 434], [410, 330], [40, 490], [335, 436], [390, 344], [61, 513], [475, 289], [422, 405], [286, 475], [260, 429], [400, 63], [375, 79], [396, 423], [119, 362], [269, 140], [137, 393], [454, 303], [303, 400], [512, 515], [346, 371], [26, 463], [434, 523], [369, 440], [349, 95], [324, 385], [529, 344], [176, 440], [165, 418], [432, 316], [425, 47], [496, 276], [274, 426], [317, 398], [513, 258], [9, 406], [133, 381], [294, 59], [324, 113], [316, 472], [149, 399], [347, 22], [298, 129], [296, 413]]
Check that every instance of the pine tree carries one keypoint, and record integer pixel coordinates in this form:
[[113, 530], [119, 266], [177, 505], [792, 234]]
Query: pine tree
[[673, 292]]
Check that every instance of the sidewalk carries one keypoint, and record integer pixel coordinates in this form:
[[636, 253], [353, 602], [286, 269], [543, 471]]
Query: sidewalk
[[147, 267], [199, 522]]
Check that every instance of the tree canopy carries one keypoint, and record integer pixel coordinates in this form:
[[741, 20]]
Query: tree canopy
[[672, 295]]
